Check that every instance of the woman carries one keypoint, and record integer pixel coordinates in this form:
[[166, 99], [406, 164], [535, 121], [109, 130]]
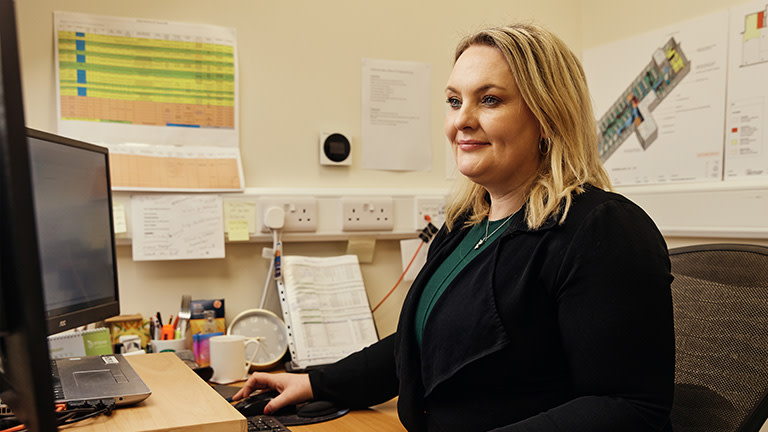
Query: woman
[[545, 301]]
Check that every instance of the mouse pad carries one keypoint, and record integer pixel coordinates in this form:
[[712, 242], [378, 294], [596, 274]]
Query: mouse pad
[[226, 391], [288, 419], [296, 420]]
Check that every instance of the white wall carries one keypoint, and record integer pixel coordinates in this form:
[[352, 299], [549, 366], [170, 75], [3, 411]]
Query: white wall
[[299, 76]]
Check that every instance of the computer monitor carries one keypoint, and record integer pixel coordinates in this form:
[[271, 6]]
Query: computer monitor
[[71, 190], [25, 379]]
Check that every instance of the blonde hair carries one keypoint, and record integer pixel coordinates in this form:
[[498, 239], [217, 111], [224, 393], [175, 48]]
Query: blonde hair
[[553, 86]]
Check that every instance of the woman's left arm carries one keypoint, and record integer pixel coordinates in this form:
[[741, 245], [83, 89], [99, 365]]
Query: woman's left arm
[[614, 308]]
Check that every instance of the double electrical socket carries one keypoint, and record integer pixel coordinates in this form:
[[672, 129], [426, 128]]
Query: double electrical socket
[[367, 214], [432, 207], [300, 213]]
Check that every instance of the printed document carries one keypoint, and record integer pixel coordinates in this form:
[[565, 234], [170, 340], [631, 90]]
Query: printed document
[[326, 307]]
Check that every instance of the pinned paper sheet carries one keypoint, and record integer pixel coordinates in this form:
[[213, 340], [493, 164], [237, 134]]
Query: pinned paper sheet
[[407, 250], [176, 227], [118, 217], [396, 127]]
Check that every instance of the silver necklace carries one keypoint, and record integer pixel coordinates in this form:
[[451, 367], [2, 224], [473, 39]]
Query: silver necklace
[[488, 222]]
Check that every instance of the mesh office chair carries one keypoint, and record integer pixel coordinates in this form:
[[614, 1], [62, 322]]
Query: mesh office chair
[[720, 298]]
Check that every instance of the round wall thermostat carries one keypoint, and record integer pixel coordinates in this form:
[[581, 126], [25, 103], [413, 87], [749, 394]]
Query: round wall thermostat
[[335, 149]]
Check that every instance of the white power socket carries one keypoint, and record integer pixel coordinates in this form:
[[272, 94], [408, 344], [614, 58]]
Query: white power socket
[[367, 214], [434, 207], [300, 213]]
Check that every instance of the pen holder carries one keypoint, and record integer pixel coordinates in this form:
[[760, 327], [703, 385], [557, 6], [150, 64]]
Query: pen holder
[[170, 345]]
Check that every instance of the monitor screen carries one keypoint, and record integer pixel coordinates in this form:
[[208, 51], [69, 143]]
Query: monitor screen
[[71, 189]]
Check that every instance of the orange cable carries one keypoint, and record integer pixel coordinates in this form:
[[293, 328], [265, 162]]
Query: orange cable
[[401, 278]]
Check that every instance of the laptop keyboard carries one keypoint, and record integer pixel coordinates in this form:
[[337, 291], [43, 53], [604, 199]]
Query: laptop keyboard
[[265, 423], [58, 391]]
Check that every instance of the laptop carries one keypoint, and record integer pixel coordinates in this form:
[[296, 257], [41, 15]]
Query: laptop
[[97, 377]]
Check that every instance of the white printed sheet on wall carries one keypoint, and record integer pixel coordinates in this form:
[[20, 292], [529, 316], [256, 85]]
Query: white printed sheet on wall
[[177, 227], [746, 132], [396, 117]]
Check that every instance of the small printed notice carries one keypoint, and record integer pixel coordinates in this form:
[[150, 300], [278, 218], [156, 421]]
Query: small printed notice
[[396, 115]]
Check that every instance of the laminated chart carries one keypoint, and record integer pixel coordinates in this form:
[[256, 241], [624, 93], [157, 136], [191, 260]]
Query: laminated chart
[[145, 81], [631, 113], [161, 95], [755, 43], [746, 132]]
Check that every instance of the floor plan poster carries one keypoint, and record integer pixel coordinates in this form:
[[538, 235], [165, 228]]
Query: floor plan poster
[[746, 133], [659, 99], [159, 94]]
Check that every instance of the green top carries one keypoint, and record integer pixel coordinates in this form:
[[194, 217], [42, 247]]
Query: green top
[[453, 264]]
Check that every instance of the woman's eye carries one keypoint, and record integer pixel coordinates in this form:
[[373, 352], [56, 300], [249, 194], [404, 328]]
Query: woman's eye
[[453, 102], [490, 100]]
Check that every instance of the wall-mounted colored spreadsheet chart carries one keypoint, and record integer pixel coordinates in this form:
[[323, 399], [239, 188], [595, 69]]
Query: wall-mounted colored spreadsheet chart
[[161, 95]]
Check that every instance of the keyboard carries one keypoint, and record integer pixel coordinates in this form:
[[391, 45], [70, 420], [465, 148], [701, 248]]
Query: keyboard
[[265, 423]]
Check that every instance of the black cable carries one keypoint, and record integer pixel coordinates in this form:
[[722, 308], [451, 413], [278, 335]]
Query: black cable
[[81, 410]]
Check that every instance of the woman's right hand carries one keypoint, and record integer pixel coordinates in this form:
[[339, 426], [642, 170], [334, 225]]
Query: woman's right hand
[[293, 388]]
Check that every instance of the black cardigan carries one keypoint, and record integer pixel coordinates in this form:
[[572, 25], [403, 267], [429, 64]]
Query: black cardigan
[[564, 328]]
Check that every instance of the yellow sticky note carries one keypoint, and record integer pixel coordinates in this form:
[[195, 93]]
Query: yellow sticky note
[[118, 217], [241, 211], [237, 230]]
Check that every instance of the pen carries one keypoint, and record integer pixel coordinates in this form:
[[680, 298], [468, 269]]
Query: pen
[[156, 334]]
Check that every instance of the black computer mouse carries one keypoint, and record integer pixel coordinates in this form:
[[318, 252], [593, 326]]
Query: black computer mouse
[[254, 405]]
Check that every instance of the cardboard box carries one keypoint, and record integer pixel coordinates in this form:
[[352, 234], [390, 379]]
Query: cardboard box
[[123, 325]]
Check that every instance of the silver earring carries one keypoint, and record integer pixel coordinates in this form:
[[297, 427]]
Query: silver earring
[[545, 145]]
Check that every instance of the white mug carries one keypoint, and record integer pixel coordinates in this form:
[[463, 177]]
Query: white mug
[[227, 353]]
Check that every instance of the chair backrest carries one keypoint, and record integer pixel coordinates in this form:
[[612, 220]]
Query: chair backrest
[[720, 298]]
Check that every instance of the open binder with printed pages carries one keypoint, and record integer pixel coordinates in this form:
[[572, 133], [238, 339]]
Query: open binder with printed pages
[[326, 309]]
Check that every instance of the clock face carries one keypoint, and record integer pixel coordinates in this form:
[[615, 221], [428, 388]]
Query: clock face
[[269, 332]]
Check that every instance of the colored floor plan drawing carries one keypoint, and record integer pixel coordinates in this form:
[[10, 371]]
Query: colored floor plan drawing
[[631, 113], [755, 48]]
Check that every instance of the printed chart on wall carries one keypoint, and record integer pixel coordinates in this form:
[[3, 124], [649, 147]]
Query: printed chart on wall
[[659, 99], [161, 95], [746, 139]]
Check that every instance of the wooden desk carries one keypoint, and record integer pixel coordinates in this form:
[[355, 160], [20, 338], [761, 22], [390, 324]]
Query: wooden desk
[[182, 402]]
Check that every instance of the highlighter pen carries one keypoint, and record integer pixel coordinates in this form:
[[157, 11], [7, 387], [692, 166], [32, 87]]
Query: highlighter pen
[[167, 332]]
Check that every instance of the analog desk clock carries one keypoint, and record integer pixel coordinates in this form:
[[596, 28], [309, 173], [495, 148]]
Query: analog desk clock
[[268, 330]]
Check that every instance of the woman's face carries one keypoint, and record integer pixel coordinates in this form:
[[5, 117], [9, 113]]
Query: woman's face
[[493, 134]]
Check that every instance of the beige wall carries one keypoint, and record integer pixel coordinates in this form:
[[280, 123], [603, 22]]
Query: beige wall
[[606, 21], [300, 76]]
